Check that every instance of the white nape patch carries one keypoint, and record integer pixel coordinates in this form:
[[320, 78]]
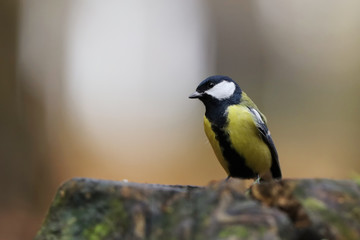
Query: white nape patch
[[222, 90]]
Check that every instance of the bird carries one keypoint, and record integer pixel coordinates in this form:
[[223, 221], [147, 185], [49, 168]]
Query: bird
[[237, 130]]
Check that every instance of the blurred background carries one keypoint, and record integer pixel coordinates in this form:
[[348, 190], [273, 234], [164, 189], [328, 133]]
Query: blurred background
[[100, 89]]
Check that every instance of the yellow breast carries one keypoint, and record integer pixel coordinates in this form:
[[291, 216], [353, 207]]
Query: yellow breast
[[215, 144], [246, 139]]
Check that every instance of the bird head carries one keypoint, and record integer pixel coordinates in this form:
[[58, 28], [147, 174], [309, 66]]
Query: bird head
[[217, 89]]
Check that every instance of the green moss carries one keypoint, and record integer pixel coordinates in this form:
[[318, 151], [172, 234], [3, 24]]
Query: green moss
[[314, 204], [98, 232], [355, 212], [117, 210], [69, 222], [356, 178], [299, 191], [238, 231], [329, 216], [57, 200], [262, 230], [101, 226]]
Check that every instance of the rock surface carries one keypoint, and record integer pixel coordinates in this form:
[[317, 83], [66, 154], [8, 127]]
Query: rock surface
[[287, 209]]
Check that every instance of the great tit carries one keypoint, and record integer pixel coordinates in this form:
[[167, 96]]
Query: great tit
[[237, 130]]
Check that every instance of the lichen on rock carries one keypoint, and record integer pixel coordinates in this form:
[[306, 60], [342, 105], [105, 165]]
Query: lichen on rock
[[287, 209]]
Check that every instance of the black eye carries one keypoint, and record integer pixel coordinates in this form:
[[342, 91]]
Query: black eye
[[211, 84]]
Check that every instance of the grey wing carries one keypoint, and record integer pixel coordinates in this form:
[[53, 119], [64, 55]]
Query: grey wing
[[266, 137]]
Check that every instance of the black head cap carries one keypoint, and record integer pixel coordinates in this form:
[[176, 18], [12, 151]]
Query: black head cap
[[217, 88]]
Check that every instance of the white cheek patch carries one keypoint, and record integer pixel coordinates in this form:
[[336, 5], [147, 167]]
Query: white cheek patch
[[222, 90]]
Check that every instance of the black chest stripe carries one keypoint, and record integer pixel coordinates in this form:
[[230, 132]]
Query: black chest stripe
[[237, 167]]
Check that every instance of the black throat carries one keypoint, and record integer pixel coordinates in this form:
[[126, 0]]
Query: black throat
[[216, 109], [216, 113]]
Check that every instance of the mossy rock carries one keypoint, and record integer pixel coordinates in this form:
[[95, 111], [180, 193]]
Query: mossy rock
[[288, 209]]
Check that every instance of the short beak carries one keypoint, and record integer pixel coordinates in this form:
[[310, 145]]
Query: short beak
[[195, 95]]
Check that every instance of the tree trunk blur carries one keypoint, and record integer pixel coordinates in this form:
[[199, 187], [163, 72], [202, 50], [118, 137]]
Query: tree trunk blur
[[23, 150]]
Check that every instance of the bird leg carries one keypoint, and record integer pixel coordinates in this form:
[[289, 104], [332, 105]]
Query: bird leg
[[257, 180]]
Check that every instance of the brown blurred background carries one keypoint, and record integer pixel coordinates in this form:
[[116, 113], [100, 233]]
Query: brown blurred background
[[99, 89]]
